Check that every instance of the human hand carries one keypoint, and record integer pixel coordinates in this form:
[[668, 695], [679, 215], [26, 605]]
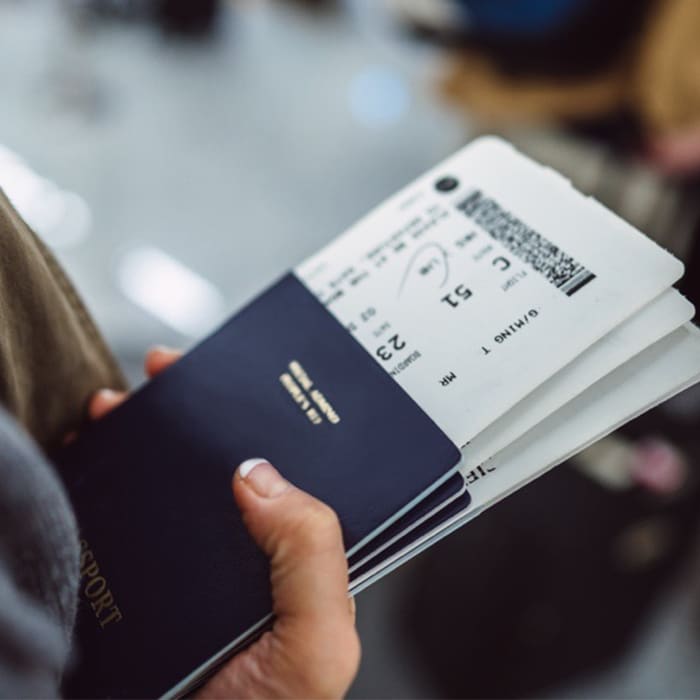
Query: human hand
[[312, 650]]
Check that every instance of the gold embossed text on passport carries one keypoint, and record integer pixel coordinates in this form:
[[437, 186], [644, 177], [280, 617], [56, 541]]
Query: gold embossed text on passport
[[299, 385], [93, 585]]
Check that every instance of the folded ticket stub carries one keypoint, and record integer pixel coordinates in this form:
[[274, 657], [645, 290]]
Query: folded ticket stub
[[482, 279]]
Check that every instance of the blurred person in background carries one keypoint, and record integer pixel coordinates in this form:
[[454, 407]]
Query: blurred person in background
[[54, 367]]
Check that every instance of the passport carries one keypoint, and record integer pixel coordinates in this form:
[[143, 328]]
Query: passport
[[477, 328], [150, 485]]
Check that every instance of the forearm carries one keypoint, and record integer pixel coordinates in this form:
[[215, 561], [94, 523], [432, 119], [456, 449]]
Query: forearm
[[52, 358]]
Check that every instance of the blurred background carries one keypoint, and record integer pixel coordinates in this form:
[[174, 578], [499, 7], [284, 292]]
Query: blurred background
[[178, 156]]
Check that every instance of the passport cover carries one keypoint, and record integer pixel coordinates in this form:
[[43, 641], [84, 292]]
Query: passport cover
[[458, 505], [170, 577], [437, 499]]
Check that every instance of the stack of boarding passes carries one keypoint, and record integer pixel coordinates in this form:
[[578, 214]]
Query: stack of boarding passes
[[526, 319]]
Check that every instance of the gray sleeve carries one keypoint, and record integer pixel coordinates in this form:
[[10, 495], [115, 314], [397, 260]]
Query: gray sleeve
[[38, 569], [33, 647]]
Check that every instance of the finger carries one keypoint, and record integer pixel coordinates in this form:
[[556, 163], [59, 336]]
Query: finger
[[296, 531], [159, 359], [308, 572], [104, 401]]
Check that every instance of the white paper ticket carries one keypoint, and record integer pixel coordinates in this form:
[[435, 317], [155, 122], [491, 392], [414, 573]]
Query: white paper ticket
[[653, 376], [482, 279]]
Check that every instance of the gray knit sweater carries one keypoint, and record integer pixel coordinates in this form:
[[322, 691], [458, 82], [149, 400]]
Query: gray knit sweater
[[38, 569]]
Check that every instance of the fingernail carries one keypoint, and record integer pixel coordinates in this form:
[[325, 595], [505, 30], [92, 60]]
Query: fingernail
[[165, 350], [262, 477], [108, 394]]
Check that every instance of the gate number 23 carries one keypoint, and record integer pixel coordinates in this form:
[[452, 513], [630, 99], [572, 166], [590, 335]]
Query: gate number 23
[[386, 352]]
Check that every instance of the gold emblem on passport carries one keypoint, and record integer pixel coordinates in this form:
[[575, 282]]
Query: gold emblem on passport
[[310, 400]]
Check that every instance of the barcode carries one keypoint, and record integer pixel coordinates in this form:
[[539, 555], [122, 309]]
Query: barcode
[[526, 244]]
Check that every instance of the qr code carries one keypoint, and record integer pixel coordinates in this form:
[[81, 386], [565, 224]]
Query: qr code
[[526, 244]]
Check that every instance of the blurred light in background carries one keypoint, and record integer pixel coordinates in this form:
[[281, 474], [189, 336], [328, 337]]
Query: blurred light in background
[[170, 291], [61, 218], [379, 97]]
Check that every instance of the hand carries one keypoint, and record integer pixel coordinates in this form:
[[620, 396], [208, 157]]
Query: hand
[[312, 650]]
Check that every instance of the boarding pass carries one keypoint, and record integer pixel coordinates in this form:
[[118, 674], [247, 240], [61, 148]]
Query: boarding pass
[[482, 279]]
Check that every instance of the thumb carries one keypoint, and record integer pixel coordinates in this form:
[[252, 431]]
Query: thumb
[[312, 649]]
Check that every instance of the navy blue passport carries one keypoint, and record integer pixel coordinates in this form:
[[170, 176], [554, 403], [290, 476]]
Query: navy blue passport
[[171, 581], [424, 511], [454, 507]]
